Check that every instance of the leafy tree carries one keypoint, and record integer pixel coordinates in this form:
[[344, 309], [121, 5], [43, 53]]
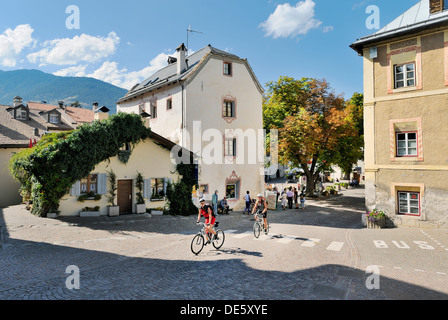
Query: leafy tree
[[316, 126]]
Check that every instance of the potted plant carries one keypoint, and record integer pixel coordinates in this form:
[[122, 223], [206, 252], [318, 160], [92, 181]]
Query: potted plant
[[141, 205], [376, 219], [112, 209]]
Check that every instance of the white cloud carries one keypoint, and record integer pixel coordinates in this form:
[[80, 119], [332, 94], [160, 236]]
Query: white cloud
[[12, 42], [83, 48], [110, 72], [291, 21], [77, 71]]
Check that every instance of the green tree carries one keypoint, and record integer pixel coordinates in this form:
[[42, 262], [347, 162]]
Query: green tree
[[316, 126]]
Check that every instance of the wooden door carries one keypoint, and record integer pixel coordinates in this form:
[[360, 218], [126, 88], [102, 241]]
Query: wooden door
[[124, 196]]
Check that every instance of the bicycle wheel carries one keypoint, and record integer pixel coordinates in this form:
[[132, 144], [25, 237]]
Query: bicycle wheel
[[217, 243], [257, 229], [197, 244]]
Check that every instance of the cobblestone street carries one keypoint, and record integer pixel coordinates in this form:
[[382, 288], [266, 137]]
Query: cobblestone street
[[321, 253]]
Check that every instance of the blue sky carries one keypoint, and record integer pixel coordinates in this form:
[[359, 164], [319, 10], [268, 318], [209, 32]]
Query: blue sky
[[124, 42]]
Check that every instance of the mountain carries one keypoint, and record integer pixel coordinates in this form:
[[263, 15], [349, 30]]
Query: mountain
[[37, 86]]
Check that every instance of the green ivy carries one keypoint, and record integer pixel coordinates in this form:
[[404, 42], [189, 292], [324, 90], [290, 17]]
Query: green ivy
[[58, 161], [179, 194]]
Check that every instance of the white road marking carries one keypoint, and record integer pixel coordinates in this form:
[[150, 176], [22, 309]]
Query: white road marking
[[335, 246], [310, 243]]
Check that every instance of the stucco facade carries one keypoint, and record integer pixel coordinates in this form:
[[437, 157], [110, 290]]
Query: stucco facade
[[405, 125], [148, 158], [194, 119]]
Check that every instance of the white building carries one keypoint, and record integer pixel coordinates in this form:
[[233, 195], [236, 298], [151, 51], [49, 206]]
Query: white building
[[211, 103]]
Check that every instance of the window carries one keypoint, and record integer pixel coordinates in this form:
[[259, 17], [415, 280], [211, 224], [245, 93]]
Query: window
[[233, 190], [169, 104], [54, 119], [153, 110], [21, 115], [227, 68], [203, 188], [228, 109], [404, 75], [89, 184], [407, 144], [230, 147], [157, 189], [409, 203]]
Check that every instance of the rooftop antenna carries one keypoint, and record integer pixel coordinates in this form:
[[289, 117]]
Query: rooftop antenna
[[189, 30]]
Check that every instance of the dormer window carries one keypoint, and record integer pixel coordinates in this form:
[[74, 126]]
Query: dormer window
[[54, 119], [21, 115]]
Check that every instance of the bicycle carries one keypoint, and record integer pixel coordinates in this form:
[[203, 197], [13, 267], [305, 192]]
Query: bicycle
[[259, 225], [198, 242]]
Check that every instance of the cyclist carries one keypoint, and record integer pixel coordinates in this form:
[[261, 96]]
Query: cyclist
[[259, 205], [206, 210]]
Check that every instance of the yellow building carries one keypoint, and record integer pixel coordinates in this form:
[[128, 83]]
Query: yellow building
[[406, 116]]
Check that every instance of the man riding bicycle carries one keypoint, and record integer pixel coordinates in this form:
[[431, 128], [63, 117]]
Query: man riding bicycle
[[206, 210], [259, 205]]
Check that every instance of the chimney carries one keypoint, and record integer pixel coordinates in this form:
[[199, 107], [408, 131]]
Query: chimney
[[61, 104], [17, 101], [95, 106], [436, 6], [181, 59]]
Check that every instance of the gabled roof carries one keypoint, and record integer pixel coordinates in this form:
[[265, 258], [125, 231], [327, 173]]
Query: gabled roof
[[168, 74], [416, 19], [78, 115]]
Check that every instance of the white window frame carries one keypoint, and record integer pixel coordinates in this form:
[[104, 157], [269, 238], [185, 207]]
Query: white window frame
[[406, 77], [407, 141], [406, 203]]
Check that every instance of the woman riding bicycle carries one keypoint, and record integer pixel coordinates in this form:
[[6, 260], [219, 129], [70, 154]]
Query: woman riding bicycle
[[206, 210], [261, 205]]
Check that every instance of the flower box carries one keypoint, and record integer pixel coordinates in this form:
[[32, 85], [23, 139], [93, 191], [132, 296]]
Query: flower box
[[140, 208], [375, 219], [89, 214], [379, 224], [113, 211], [157, 213]]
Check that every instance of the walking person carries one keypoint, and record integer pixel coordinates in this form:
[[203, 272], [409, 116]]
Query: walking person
[[296, 197], [248, 200], [302, 201], [215, 202], [284, 198], [290, 196]]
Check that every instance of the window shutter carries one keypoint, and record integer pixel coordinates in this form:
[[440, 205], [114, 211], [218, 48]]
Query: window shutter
[[76, 189], [147, 189], [435, 6], [102, 183]]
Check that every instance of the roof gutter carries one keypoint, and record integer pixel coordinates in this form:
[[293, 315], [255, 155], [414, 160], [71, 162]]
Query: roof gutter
[[359, 45]]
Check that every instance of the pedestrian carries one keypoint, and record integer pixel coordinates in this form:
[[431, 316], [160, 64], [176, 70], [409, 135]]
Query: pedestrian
[[248, 200], [302, 201], [290, 196], [225, 206], [284, 198], [296, 198], [215, 202]]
